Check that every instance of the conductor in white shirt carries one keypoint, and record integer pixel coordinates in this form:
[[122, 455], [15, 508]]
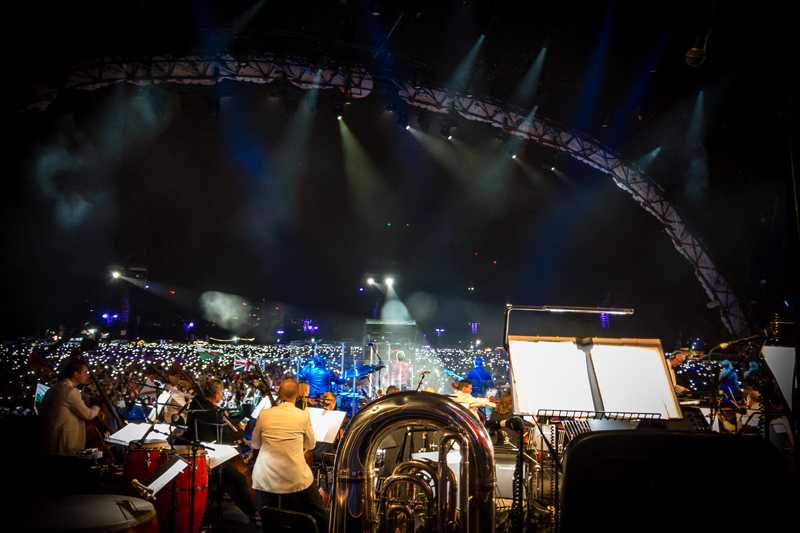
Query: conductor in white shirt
[[281, 476]]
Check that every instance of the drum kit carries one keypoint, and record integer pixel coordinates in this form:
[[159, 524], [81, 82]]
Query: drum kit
[[352, 400]]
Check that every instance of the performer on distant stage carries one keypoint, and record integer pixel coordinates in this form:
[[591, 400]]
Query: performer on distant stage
[[399, 371], [318, 376], [480, 377]]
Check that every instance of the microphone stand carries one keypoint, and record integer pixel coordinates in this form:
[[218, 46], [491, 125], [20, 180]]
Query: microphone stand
[[421, 379]]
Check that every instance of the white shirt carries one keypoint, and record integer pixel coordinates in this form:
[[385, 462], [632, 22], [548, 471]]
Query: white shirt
[[471, 402], [282, 433], [63, 419]]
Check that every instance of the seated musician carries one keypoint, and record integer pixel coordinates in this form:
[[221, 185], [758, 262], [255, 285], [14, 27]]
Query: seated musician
[[64, 413], [675, 361], [207, 423], [281, 476], [303, 390], [464, 396], [328, 402]]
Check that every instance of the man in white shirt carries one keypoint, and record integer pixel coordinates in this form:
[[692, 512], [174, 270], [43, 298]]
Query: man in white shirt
[[464, 396], [281, 476], [64, 414]]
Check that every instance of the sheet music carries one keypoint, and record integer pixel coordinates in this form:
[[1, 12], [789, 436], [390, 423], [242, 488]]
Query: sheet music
[[161, 481], [549, 375], [132, 432], [780, 360], [326, 424], [219, 453], [634, 379]]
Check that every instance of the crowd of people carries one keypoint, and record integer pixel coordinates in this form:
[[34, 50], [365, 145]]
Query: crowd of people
[[126, 369], [257, 396]]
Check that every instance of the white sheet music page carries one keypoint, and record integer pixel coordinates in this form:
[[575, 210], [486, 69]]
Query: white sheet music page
[[133, 432], [219, 453], [326, 424], [634, 379], [161, 481], [549, 375]]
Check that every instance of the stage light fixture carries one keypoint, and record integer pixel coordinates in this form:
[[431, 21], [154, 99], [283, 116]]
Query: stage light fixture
[[370, 281], [408, 128], [115, 274], [338, 117], [449, 137], [389, 281], [513, 156]]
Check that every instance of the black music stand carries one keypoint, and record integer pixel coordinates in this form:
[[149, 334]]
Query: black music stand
[[217, 520]]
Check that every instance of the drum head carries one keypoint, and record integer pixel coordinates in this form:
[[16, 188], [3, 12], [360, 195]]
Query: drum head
[[149, 445], [94, 512], [186, 451]]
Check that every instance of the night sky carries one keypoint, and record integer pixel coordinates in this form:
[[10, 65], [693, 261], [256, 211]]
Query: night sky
[[209, 189]]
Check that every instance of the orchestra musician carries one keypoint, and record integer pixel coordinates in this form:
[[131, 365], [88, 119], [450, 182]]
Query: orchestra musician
[[675, 361], [464, 396], [64, 412], [207, 422], [281, 476]]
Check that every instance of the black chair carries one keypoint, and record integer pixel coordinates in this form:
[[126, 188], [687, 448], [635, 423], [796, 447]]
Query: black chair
[[655, 480], [275, 519]]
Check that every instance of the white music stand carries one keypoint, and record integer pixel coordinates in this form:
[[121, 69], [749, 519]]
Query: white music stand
[[598, 375], [325, 423], [134, 432], [780, 360]]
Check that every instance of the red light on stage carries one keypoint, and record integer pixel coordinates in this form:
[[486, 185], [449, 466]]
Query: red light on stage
[[172, 292]]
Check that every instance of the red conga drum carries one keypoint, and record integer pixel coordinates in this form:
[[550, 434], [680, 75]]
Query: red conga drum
[[193, 479], [143, 460]]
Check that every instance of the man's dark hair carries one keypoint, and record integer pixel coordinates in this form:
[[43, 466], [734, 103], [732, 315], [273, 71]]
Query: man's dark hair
[[210, 387], [464, 383], [70, 366]]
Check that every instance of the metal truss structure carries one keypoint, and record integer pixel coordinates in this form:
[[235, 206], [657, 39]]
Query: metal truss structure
[[358, 82]]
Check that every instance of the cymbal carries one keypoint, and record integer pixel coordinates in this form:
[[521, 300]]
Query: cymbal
[[360, 371]]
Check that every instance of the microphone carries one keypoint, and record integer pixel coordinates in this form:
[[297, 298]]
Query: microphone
[[724, 345], [424, 372]]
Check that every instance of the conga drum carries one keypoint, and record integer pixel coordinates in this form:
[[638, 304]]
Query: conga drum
[[143, 460], [95, 513], [188, 514]]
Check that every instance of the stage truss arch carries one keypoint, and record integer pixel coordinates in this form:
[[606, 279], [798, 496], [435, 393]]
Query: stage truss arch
[[358, 82]]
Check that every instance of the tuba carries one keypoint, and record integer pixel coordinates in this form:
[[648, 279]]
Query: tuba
[[417, 493]]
